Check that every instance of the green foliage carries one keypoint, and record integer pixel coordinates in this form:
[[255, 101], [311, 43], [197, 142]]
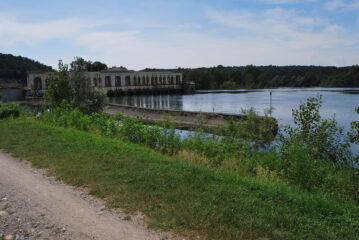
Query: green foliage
[[59, 88], [158, 138], [74, 87], [87, 65], [261, 130], [180, 196], [155, 137], [12, 110], [322, 137], [354, 133], [66, 116], [272, 76], [13, 69]]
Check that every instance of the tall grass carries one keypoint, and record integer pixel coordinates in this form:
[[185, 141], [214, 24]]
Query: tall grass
[[295, 160], [179, 196]]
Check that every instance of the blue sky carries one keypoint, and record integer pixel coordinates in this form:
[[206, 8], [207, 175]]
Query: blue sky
[[183, 33]]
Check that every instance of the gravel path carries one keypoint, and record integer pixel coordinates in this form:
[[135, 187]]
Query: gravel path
[[35, 206]]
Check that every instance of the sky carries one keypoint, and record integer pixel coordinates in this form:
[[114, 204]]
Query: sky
[[183, 33]]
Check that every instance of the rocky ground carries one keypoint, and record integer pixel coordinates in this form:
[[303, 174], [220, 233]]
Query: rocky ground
[[18, 220]]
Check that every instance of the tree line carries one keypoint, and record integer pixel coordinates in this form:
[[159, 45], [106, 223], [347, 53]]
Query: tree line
[[13, 69], [251, 76]]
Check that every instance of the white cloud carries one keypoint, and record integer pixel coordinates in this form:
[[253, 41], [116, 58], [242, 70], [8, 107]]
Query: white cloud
[[342, 5], [285, 1], [136, 51], [286, 27], [14, 32], [276, 36]]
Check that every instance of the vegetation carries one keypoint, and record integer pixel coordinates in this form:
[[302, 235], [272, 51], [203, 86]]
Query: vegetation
[[176, 195], [272, 76], [323, 138], [354, 134], [13, 69], [312, 149], [72, 86], [11, 110], [236, 184]]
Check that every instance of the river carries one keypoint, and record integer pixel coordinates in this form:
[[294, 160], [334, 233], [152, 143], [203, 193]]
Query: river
[[338, 102]]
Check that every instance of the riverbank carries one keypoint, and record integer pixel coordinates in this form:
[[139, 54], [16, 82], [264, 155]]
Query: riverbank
[[176, 195], [185, 120], [189, 120]]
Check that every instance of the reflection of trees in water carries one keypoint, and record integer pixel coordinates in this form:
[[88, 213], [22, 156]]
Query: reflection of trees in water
[[172, 102]]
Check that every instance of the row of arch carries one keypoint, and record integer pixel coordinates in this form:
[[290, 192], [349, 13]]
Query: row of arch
[[138, 81], [39, 84], [153, 91]]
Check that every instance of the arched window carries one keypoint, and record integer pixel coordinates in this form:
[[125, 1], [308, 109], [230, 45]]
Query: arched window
[[47, 83], [108, 81], [178, 79], [118, 81], [37, 83], [128, 80]]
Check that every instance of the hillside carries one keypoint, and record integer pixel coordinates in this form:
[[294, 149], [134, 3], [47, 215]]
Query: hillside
[[251, 76], [13, 69]]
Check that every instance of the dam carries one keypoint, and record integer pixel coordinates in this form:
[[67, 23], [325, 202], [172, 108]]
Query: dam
[[119, 81]]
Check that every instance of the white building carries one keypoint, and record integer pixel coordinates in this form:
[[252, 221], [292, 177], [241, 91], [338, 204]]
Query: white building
[[117, 81]]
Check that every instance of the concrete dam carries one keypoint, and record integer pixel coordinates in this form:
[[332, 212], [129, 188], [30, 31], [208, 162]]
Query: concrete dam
[[120, 81]]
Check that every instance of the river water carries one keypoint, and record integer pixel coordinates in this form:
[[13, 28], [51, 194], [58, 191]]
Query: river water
[[338, 102]]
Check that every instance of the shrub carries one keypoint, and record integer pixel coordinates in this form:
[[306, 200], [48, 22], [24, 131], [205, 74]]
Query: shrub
[[258, 129], [156, 137], [74, 87], [354, 133], [323, 138], [59, 88], [12, 110]]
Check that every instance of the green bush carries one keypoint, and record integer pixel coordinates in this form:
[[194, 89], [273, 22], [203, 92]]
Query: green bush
[[75, 88], [12, 110], [324, 138], [159, 138], [354, 133]]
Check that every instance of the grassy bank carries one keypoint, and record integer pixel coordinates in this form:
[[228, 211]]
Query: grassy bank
[[176, 195]]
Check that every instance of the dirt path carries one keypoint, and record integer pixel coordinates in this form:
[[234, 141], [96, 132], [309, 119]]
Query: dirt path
[[34, 206]]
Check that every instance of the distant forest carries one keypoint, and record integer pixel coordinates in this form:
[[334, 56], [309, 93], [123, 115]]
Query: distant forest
[[272, 77], [13, 69]]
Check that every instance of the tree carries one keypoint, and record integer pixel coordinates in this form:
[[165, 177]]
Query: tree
[[74, 87], [354, 133], [59, 88], [85, 97], [322, 137]]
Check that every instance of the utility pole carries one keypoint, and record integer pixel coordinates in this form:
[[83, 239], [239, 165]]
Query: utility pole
[[270, 103]]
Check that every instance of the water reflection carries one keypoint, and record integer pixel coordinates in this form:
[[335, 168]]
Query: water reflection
[[168, 102], [338, 102]]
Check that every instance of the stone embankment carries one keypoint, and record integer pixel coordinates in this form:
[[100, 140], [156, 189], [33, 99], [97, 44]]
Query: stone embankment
[[184, 119]]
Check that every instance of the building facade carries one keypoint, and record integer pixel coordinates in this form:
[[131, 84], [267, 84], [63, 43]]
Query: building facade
[[118, 81]]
